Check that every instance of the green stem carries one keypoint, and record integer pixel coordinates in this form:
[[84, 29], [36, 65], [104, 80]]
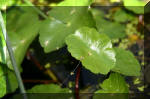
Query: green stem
[[12, 58], [36, 9]]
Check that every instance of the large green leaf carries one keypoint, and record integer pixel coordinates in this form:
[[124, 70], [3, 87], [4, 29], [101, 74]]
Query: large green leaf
[[75, 3], [22, 28], [94, 50], [114, 84], [53, 31], [112, 29], [49, 88], [137, 6], [126, 63]]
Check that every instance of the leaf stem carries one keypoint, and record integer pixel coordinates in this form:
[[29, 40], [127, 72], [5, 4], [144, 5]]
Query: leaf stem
[[47, 71], [77, 83], [12, 58], [36, 9]]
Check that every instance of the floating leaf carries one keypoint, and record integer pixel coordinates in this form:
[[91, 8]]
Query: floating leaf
[[114, 84], [22, 33], [112, 29], [75, 3], [53, 31], [49, 88], [126, 63], [94, 50]]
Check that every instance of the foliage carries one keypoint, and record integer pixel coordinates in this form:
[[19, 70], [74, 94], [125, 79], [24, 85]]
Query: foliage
[[2, 62], [67, 25], [89, 34], [126, 63], [114, 84], [50, 88], [136, 6], [20, 35], [94, 50], [75, 3], [105, 26]]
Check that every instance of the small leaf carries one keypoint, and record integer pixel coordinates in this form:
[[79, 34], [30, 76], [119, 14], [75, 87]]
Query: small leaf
[[75, 3], [22, 28], [94, 50], [12, 83], [49, 88], [122, 16], [126, 63], [114, 84], [112, 29], [114, 87], [53, 31], [2, 82]]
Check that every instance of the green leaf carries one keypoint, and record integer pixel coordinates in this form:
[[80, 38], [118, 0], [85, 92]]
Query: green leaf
[[75, 3], [2, 48], [94, 50], [114, 84], [137, 6], [49, 88], [8, 80], [126, 63], [2, 82], [12, 83], [112, 29], [22, 28], [53, 31], [122, 16], [2, 62]]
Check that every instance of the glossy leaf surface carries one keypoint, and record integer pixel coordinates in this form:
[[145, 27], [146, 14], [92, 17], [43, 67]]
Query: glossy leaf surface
[[94, 50], [53, 31]]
